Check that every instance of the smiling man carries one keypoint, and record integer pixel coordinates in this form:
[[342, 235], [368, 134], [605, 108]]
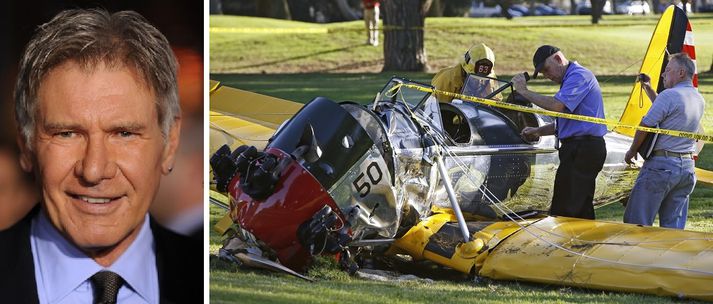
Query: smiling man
[[97, 107]]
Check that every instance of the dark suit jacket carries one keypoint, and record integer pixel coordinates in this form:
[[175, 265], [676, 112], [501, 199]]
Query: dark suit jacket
[[179, 261]]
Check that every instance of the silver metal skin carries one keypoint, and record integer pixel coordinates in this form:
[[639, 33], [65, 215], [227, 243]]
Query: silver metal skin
[[514, 174]]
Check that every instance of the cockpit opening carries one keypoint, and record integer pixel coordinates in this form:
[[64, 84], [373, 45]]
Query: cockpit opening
[[455, 124]]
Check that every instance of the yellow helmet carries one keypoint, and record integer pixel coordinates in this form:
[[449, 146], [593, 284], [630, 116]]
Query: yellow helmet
[[479, 59]]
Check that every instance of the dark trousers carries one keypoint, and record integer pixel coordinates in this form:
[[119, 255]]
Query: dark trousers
[[581, 159]]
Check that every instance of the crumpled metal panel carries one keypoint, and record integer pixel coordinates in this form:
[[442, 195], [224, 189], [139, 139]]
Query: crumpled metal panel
[[416, 180], [401, 130], [412, 183], [603, 255], [365, 194]]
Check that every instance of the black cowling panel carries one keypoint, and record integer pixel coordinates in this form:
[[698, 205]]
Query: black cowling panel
[[331, 124]]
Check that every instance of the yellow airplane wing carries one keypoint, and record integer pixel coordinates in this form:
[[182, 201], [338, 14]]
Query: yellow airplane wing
[[239, 117], [569, 251], [252, 107]]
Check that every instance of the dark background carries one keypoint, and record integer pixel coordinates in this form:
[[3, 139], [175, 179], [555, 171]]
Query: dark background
[[180, 21]]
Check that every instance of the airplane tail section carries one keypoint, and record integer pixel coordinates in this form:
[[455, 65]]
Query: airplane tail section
[[673, 34]]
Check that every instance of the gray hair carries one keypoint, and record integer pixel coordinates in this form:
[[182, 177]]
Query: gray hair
[[685, 62], [91, 37]]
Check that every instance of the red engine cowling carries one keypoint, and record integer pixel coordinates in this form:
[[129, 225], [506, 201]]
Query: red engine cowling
[[275, 220]]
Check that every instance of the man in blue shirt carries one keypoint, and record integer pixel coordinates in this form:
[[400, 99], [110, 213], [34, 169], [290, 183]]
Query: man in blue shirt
[[667, 178], [583, 150], [96, 105]]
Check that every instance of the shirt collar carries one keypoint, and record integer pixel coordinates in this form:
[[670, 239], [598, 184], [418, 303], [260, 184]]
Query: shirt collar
[[570, 67], [64, 267], [685, 83], [568, 70]]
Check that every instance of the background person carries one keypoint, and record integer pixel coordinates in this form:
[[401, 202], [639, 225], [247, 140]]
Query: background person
[[583, 149], [479, 59], [371, 20], [96, 102], [667, 178]]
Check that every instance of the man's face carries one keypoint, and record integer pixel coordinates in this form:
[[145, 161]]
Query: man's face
[[551, 69], [99, 152], [672, 75]]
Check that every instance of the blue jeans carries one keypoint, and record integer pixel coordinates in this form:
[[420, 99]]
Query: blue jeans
[[663, 186]]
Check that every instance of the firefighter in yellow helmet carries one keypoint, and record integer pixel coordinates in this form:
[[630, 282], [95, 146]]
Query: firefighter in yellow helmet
[[479, 60]]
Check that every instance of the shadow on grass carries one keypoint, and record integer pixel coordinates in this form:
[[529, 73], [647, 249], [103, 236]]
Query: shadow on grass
[[230, 283], [295, 58], [353, 65]]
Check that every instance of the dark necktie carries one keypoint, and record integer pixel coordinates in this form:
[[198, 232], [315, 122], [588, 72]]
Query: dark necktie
[[106, 286]]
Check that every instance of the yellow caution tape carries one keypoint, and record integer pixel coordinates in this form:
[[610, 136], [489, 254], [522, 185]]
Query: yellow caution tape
[[265, 30], [514, 107], [386, 28]]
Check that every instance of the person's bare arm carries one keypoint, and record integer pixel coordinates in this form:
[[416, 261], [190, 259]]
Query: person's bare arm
[[635, 144], [545, 102], [533, 134], [646, 85]]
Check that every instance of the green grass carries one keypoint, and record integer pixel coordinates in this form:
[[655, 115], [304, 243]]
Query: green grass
[[337, 65], [251, 286], [232, 284], [615, 47]]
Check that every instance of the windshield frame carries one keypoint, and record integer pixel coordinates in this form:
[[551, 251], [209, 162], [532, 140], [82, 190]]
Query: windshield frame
[[413, 106], [503, 85]]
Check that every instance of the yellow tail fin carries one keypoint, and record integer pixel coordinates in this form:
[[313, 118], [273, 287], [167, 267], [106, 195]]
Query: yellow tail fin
[[639, 103]]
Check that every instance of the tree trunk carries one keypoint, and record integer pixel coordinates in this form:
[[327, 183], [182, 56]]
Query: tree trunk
[[504, 8], [403, 35], [273, 9], [597, 9], [572, 7]]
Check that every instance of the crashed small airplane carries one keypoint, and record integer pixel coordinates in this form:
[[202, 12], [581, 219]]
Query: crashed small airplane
[[452, 183]]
